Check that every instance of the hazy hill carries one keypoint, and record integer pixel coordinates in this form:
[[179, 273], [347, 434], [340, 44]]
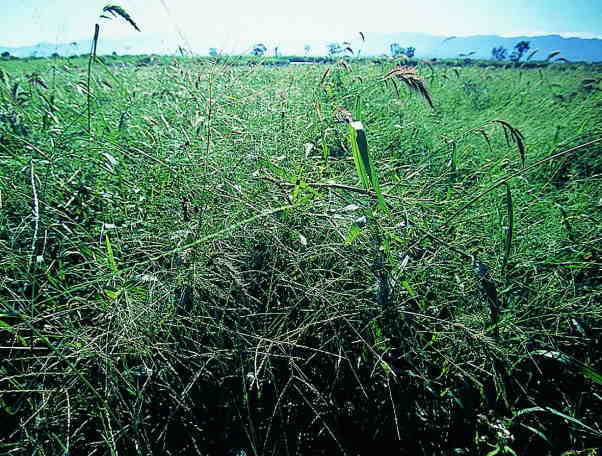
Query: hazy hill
[[574, 49], [146, 45]]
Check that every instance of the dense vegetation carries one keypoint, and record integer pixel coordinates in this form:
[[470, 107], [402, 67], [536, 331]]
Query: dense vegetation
[[188, 264]]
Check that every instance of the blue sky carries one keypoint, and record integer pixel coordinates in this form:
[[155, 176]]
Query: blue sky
[[235, 23]]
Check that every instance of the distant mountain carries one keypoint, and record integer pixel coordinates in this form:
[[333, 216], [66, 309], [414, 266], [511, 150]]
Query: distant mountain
[[140, 45], [377, 43], [573, 49]]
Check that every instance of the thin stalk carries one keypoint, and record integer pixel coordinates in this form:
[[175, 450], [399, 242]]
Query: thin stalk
[[510, 228], [209, 116], [92, 58]]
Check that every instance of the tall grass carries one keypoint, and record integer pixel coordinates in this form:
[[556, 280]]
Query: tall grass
[[187, 282]]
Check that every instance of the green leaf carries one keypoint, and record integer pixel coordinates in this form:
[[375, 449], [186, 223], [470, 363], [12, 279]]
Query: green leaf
[[110, 256], [560, 414], [573, 420], [14, 332], [510, 227], [592, 375], [363, 164], [353, 233], [359, 148], [405, 284], [325, 151], [537, 432], [494, 451], [113, 294]]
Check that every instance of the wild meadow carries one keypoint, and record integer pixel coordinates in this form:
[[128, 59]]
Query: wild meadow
[[203, 257]]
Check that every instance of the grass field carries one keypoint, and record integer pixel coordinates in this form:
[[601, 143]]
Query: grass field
[[192, 263]]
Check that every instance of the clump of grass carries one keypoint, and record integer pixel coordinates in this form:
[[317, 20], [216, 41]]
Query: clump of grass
[[178, 308]]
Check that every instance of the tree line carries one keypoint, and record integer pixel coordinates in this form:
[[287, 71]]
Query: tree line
[[395, 49], [498, 53]]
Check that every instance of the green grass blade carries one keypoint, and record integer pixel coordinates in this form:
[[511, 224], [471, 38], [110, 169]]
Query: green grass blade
[[14, 332], [560, 414], [110, 256], [510, 227], [592, 375], [91, 59], [359, 149], [363, 163], [573, 420]]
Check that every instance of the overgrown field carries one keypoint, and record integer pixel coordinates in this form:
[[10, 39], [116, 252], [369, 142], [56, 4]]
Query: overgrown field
[[192, 262]]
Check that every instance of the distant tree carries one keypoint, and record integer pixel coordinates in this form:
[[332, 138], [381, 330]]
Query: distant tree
[[522, 47], [259, 49], [55, 55], [307, 48], [334, 49], [410, 52], [5, 54], [499, 53], [396, 50], [213, 52], [276, 51], [519, 50]]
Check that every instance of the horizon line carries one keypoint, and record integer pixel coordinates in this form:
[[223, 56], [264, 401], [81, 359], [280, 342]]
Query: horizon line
[[564, 35]]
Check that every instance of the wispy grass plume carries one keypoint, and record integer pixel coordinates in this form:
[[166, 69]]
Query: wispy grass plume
[[516, 136], [118, 11], [409, 76]]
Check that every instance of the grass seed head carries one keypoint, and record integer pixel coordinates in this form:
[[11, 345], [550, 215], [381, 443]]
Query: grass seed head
[[513, 134], [342, 115], [344, 65], [118, 11], [324, 76], [409, 76]]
